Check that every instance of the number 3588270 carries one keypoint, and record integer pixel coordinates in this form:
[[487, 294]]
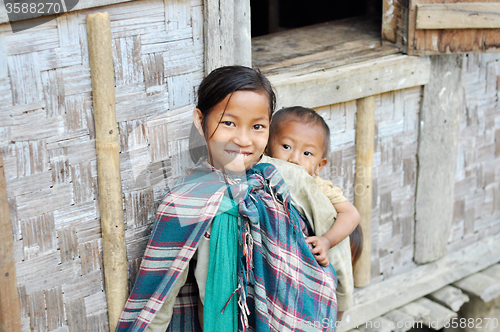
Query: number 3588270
[[471, 323]]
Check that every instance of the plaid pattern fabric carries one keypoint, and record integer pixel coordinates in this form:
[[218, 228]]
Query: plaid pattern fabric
[[286, 289]]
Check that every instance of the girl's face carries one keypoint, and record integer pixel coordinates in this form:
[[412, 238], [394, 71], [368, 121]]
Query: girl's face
[[236, 137]]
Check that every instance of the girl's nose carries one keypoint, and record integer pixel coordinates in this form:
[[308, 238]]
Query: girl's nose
[[242, 138]]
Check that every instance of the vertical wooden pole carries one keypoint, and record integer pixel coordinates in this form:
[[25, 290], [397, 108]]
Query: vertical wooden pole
[[365, 135], [108, 165], [437, 153], [218, 34], [10, 306], [242, 33]]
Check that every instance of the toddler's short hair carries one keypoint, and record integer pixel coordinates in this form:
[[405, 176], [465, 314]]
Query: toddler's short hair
[[303, 115]]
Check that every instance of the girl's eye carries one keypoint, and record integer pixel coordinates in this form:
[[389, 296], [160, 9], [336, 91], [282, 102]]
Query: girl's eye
[[286, 147], [228, 123], [258, 127], [307, 153]]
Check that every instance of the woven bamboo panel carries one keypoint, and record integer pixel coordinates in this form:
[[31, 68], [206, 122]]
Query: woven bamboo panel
[[477, 187], [394, 173], [47, 141]]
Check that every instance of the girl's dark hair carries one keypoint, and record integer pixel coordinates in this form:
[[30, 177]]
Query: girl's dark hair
[[300, 114], [356, 239], [214, 88]]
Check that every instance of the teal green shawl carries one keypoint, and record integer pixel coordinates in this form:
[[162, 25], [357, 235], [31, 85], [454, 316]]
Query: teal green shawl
[[220, 312]]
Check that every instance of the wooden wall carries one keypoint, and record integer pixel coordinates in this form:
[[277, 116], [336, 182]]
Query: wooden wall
[[47, 141], [477, 188], [394, 173]]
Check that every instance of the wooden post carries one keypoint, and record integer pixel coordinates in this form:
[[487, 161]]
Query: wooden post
[[108, 165], [242, 33], [10, 306], [218, 32], [365, 135], [437, 157]]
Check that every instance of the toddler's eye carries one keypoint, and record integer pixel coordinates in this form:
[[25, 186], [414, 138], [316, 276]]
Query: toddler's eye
[[258, 127], [286, 147], [307, 153]]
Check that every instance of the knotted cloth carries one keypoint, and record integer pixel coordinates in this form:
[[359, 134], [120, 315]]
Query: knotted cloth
[[281, 285]]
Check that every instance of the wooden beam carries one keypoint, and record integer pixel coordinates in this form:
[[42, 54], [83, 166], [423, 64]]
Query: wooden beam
[[481, 285], [108, 165], [218, 31], [450, 297], [10, 307], [242, 33], [351, 82], [437, 157], [365, 137], [458, 16], [81, 4], [378, 299]]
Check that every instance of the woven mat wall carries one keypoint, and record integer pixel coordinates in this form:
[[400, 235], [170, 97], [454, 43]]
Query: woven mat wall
[[47, 140]]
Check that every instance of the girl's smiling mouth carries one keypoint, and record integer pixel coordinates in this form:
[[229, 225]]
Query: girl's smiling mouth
[[237, 153]]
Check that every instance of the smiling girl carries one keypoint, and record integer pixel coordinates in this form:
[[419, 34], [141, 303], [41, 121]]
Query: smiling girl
[[228, 251]]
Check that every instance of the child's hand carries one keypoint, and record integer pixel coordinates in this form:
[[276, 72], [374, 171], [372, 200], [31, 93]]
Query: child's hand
[[321, 245]]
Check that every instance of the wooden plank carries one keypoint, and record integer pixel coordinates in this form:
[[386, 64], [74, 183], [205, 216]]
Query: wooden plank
[[352, 82], [242, 33], [377, 299], [82, 4], [437, 158], [449, 41], [481, 285], [458, 16], [438, 315], [218, 31], [379, 324], [403, 321], [450, 297], [10, 307]]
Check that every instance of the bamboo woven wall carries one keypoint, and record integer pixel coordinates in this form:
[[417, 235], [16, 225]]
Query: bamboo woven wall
[[394, 173], [477, 187], [47, 140]]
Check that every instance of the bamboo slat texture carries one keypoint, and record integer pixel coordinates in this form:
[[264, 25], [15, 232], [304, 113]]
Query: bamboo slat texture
[[47, 140]]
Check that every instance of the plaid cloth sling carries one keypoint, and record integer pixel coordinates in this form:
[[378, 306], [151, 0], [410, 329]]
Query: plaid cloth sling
[[281, 285]]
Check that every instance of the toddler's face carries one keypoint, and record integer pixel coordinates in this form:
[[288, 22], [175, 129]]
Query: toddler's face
[[301, 144], [237, 136]]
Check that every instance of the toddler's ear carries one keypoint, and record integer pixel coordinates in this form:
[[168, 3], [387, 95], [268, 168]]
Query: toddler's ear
[[321, 164], [198, 120]]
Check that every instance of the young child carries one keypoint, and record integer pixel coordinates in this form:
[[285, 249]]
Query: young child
[[300, 135], [256, 244]]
